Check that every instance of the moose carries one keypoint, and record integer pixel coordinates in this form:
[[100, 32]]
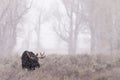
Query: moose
[[30, 60]]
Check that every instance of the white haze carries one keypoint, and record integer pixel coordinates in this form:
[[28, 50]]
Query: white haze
[[49, 40]]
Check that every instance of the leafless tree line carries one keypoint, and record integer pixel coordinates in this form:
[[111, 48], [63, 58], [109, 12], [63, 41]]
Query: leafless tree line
[[11, 13], [102, 17], [68, 30], [104, 25]]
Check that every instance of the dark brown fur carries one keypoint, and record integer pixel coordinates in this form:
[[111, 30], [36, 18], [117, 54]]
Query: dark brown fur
[[29, 60]]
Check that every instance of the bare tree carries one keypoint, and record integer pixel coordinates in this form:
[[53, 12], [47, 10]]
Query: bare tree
[[43, 17], [10, 15], [68, 29], [103, 19], [38, 27]]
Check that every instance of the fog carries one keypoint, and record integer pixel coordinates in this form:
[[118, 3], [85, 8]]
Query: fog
[[49, 41], [75, 39], [59, 26]]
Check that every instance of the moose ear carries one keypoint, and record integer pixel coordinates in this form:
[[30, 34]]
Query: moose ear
[[36, 54]]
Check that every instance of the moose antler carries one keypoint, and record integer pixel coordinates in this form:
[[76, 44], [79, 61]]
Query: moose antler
[[42, 55]]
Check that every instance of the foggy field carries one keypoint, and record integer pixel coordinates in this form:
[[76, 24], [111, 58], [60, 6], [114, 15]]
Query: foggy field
[[67, 28], [63, 67]]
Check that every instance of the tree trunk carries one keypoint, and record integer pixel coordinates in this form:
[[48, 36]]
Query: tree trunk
[[8, 39], [72, 46]]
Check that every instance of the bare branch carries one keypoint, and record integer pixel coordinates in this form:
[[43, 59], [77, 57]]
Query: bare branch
[[4, 11], [42, 55], [24, 12], [59, 33]]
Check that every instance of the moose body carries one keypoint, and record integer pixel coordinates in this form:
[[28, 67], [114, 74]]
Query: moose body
[[30, 61]]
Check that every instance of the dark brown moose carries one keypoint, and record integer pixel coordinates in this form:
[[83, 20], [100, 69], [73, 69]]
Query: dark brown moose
[[30, 60]]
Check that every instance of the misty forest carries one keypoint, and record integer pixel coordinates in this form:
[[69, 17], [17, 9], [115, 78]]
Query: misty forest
[[74, 39]]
